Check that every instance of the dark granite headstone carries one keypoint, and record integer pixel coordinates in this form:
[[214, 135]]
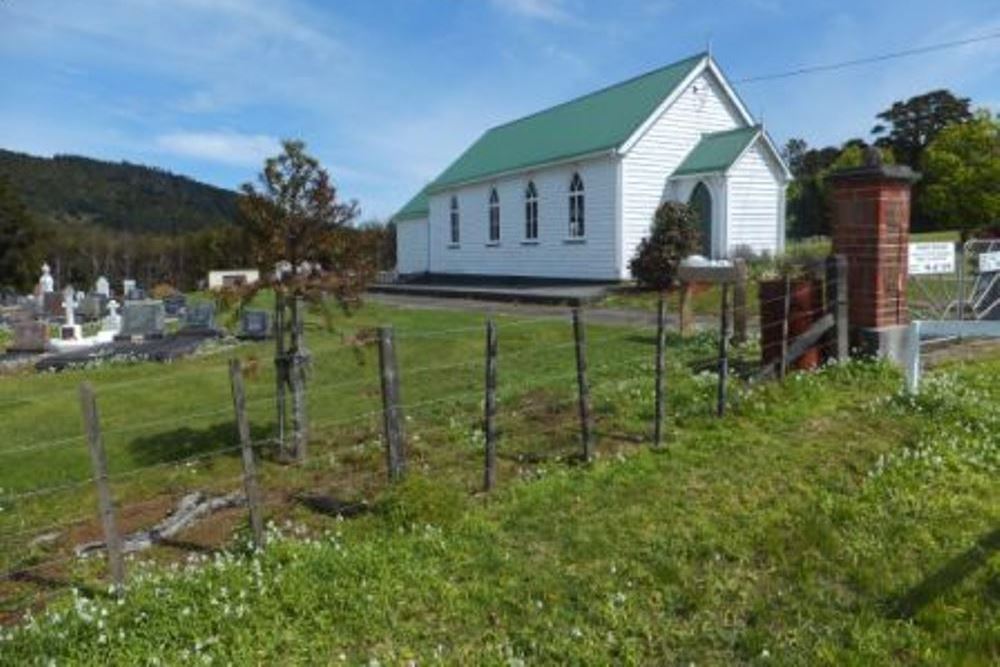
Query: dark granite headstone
[[52, 305], [199, 320], [136, 294], [174, 304], [142, 319], [93, 307], [29, 336], [255, 325]]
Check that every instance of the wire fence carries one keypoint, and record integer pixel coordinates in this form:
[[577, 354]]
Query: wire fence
[[558, 396]]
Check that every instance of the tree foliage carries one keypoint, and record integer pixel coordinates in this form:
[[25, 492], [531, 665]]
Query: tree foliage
[[962, 173], [20, 242], [306, 250], [674, 235], [808, 196], [909, 126], [294, 218]]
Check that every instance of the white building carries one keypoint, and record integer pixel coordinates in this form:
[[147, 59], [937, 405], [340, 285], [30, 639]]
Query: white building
[[232, 278], [570, 191]]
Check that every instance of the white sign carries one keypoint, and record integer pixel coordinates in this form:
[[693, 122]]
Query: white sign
[[989, 262], [930, 258]]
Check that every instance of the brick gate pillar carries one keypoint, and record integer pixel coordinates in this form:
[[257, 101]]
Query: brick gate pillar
[[871, 228]]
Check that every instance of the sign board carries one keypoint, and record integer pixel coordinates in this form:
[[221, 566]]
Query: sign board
[[931, 258], [989, 262]]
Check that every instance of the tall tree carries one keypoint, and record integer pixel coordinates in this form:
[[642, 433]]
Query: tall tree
[[300, 234], [20, 242], [908, 127], [962, 174]]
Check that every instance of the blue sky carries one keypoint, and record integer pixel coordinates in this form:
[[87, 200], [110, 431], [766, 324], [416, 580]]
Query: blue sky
[[387, 92]]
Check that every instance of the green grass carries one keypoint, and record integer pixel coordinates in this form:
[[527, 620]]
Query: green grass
[[169, 428], [826, 520]]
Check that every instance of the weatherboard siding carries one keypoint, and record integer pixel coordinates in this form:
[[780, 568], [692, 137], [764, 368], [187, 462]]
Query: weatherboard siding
[[554, 255], [411, 244], [754, 194], [662, 148]]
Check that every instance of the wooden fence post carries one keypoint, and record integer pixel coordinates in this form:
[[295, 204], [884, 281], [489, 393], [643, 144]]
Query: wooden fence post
[[836, 298], [684, 309], [489, 480], [106, 508], [586, 427], [392, 410], [720, 406], [249, 467], [740, 315], [783, 367], [661, 344], [297, 381], [280, 367]]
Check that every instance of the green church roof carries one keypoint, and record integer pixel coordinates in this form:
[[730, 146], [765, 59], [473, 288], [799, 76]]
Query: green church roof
[[717, 151], [602, 120], [415, 208]]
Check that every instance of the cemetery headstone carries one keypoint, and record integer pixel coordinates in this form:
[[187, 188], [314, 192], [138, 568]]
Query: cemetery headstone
[[113, 322], [70, 329], [94, 307], [136, 294], [255, 325], [102, 287], [51, 304], [127, 286], [30, 336], [199, 320], [142, 319], [174, 304]]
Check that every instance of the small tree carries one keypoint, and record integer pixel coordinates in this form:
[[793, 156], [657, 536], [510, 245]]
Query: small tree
[[962, 172], [674, 235], [300, 236]]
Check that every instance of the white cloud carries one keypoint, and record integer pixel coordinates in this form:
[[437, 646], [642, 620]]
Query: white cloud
[[244, 150], [553, 11]]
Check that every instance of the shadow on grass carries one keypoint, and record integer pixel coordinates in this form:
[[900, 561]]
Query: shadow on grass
[[334, 507], [185, 442], [947, 577]]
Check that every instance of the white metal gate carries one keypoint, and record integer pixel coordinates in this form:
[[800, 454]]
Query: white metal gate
[[955, 281]]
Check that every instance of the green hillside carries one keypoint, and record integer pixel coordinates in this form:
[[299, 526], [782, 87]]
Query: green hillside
[[118, 195]]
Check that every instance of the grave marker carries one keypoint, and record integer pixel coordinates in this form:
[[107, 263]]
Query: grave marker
[[255, 325], [142, 319], [199, 320], [29, 336], [174, 304]]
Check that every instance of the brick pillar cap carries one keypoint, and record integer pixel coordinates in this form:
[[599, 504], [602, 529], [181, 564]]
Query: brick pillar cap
[[875, 173]]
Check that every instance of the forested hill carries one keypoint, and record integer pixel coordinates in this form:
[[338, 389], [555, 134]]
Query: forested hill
[[118, 195]]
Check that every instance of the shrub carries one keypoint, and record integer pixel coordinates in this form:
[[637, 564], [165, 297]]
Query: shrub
[[673, 236]]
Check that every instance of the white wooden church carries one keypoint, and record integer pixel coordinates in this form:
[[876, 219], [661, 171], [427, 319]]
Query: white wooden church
[[570, 191]]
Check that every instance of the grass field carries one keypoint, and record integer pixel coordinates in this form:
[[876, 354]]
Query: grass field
[[169, 429], [827, 520]]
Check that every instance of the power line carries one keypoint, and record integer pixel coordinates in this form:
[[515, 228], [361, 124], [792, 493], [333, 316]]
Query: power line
[[870, 59]]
